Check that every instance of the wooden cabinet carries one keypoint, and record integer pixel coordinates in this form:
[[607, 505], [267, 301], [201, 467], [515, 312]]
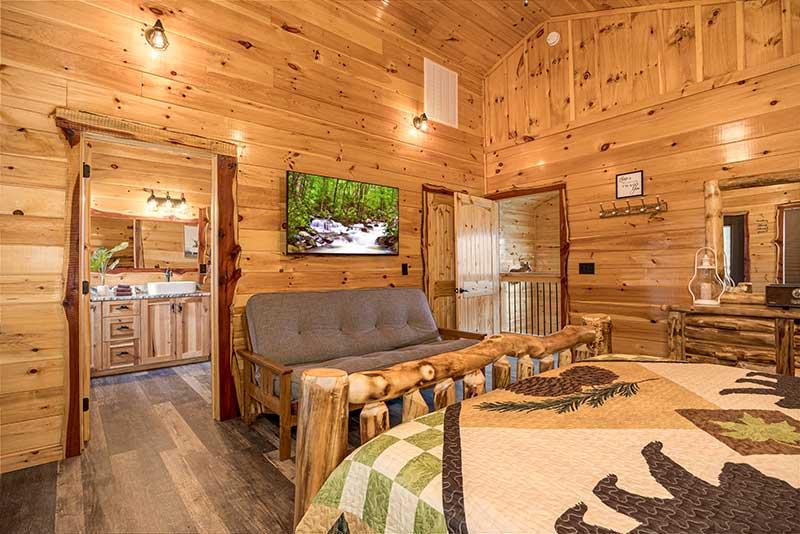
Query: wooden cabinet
[[160, 331], [132, 334], [192, 327]]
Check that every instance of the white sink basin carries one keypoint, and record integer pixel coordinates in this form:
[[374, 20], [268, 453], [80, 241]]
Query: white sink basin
[[165, 288]]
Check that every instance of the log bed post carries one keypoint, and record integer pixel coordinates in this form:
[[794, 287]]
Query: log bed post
[[524, 367], [444, 394], [602, 328], [321, 432], [712, 203]]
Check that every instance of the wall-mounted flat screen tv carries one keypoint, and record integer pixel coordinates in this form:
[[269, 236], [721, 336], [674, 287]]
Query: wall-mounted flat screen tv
[[335, 216]]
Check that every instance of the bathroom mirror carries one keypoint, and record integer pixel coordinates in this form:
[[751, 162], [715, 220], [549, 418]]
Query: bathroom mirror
[[153, 244]]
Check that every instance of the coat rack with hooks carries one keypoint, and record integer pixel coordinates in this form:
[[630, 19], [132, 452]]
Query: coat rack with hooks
[[659, 206]]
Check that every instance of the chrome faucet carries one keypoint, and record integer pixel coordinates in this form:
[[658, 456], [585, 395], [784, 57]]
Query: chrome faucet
[[168, 274]]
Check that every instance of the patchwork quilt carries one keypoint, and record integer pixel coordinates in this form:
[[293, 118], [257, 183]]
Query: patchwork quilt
[[598, 447]]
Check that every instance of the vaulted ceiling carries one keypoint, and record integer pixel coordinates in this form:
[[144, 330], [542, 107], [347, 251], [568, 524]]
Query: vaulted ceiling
[[472, 34]]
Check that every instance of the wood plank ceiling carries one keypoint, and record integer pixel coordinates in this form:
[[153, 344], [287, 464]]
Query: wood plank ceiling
[[473, 33]]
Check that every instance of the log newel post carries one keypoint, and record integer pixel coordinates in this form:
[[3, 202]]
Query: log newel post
[[712, 197], [414, 405], [321, 432], [501, 373], [474, 384], [602, 330]]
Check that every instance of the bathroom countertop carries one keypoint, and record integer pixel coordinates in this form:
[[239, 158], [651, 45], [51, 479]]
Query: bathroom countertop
[[145, 296]]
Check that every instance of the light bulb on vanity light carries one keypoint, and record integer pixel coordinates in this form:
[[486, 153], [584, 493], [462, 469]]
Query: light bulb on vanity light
[[152, 201], [156, 36]]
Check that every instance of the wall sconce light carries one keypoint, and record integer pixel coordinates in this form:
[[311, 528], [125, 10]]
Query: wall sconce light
[[156, 36], [167, 204], [421, 122], [553, 38]]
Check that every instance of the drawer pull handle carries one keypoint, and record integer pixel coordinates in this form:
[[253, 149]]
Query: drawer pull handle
[[123, 327], [123, 307], [123, 353]]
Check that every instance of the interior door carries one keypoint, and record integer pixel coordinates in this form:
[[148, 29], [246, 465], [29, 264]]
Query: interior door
[[192, 328], [477, 264]]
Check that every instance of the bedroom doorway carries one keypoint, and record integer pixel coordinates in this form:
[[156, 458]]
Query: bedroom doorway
[[496, 263]]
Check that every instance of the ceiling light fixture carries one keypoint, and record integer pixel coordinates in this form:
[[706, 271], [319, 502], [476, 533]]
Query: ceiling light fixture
[[421, 122], [525, 3], [156, 36]]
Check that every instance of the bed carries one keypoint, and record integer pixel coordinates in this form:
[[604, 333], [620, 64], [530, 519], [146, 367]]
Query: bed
[[597, 447]]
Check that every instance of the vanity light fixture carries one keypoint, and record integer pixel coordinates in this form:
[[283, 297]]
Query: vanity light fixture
[[421, 122], [167, 204], [156, 36]]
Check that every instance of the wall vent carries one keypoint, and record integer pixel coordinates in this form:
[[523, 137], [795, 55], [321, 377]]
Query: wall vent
[[441, 94]]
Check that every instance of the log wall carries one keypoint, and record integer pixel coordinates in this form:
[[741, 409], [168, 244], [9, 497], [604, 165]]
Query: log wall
[[741, 123], [607, 63], [318, 87]]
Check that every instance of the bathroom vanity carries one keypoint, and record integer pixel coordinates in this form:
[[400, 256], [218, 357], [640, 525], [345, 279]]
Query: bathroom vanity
[[149, 330]]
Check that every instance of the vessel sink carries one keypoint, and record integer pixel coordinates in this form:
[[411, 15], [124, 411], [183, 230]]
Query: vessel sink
[[168, 288]]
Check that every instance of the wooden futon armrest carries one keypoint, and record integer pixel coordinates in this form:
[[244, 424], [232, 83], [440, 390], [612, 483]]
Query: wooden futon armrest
[[449, 333], [262, 361]]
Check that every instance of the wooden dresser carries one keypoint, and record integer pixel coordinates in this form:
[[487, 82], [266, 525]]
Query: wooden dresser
[[745, 335], [143, 333]]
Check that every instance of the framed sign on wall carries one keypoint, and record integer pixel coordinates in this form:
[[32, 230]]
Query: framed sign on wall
[[630, 184]]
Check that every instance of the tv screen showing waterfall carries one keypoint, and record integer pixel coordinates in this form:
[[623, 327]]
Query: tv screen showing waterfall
[[335, 216]]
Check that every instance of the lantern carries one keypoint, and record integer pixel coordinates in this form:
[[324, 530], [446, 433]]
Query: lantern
[[706, 287]]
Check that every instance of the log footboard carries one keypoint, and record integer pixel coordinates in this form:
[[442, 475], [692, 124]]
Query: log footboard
[[328, 394]]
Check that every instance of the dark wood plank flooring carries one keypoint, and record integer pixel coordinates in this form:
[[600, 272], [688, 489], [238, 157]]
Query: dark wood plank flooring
[[157, 462]]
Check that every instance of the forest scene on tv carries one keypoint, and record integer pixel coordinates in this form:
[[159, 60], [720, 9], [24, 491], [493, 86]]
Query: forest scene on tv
[[335, 216]]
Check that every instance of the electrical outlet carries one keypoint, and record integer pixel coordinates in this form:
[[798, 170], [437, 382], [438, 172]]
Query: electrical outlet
[[405, 269]]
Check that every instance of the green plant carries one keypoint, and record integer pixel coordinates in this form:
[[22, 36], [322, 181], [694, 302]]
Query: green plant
[[101, 260]]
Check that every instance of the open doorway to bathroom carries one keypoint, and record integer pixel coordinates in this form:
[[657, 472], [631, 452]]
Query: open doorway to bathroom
[[164, 204]]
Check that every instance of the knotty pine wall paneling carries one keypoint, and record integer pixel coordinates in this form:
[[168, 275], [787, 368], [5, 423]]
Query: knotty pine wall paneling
[[746, 127], [617, 61], [311, 86]]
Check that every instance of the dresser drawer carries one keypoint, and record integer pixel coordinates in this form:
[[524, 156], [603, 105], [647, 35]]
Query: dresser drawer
[[120, 328], [121, 308], [122, 354]]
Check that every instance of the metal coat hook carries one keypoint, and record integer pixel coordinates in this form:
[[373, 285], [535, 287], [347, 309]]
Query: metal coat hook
[[659, 206]]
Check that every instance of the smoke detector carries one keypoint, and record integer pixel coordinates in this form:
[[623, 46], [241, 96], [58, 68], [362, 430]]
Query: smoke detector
[[553, 38]]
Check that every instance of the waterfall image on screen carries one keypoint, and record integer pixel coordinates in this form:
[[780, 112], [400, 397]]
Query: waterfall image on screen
[[335, 216]]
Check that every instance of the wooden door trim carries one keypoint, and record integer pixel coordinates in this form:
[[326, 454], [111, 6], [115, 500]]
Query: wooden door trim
[[563, 227], [77, 126]]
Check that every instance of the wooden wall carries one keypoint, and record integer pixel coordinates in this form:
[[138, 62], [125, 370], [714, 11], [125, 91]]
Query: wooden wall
[[615, 61], [310, 86], [746, 126]]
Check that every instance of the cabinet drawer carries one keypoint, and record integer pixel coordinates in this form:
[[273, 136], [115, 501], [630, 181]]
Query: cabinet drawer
[[123, 354], [121, 308], [120, 328]]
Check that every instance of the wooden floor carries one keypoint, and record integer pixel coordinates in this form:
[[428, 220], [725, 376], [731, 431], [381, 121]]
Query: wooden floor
[[157, 462]]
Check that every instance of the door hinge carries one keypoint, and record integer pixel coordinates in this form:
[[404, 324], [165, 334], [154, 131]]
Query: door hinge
[[85, 404], [85, 287], [87, 170]]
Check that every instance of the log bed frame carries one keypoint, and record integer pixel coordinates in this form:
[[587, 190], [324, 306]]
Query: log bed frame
[[327, 395]]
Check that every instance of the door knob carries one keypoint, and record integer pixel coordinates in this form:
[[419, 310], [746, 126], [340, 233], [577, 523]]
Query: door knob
[[460, 290]]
